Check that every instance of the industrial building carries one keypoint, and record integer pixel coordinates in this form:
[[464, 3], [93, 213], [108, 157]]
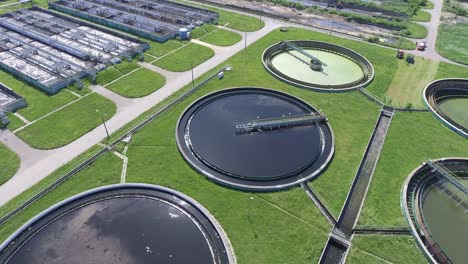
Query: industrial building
[[158, 20], [51, 51], [9, 100]]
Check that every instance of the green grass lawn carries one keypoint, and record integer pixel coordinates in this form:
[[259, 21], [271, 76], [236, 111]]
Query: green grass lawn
[[222, 37], [234, 20], [183, 59], [160, 49], [410, 79], [429, 5], [255, 223], [39, 103], [104, 171], [412, 139], [9, 164], [416, 31], [452, 42], [68, 124], [421, 16], [384, 249], [138, 84], [202, 31], [15, 122], [447, 70]]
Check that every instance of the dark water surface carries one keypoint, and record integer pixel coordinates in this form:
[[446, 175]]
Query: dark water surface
[[119, 230], [260, 156]]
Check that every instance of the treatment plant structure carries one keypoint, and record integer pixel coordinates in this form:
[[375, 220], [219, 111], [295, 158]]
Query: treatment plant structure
[[317, 65], [435, 202], [51, 51], [448, 100], [158, 20]]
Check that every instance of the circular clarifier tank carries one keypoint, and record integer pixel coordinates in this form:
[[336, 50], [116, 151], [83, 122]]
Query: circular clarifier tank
[[435, 203], [255, 139], [125, 223], [318, 65], [448, 100]]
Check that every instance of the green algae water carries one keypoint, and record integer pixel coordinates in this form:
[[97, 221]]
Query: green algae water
[[457, 110], [339, 70]]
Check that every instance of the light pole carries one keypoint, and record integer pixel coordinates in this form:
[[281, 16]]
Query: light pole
[[331, 28], [104, 123], [193, 77]]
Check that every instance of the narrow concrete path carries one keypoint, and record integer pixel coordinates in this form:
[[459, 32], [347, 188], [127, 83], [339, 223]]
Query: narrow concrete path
[[36, 164]]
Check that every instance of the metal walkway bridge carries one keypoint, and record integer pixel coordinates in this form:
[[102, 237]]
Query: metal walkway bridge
[[268, 124], [314, 60], [449, 176]]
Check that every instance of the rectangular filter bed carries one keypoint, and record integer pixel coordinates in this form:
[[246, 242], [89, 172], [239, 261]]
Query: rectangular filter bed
[[158, 20], [9, 100], [51, 51]]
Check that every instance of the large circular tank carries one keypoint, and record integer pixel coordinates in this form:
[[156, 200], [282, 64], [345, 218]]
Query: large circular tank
[[127, 223], [318, 65], [215, 138], [448, 100], [435, 204]]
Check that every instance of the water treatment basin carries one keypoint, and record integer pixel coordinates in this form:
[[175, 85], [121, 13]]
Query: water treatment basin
[[128, 223], [257, 160], [341, 69]]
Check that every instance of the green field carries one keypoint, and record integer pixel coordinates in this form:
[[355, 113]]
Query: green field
[[384, 249], [277, 227], [452, 42], [421, 16], [263, 242], [138, 84], [222, 37], [457, 110], [68, 124], [202, 31], [160, 49], [447, 70], [237, 21], [412, 139], [416, 31], [9, 164], [184, 58], [39, 103], [410, 79]]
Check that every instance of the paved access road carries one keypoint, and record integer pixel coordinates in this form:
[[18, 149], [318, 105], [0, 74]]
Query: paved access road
[[37, 164]]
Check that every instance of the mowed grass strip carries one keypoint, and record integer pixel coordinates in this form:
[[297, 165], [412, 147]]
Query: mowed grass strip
[[447, 70], [222, 37], [68, 124], [202, 30], [234, 20], [9, 164], [385, 249], [104, 171], [159, 49], [184, 58], [137, 84], [452, 42], [416, 31], [412, 139], [421, 16], [410, 79], [39, 103]]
